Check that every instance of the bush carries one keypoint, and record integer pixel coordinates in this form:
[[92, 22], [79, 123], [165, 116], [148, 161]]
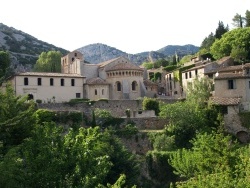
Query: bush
[[39, 101], [151, 104]]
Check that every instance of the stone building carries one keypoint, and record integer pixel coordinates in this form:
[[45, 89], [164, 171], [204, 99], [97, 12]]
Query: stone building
[[114, 79], [48, 87]]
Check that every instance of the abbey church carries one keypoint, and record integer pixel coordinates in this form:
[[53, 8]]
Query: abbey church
[[116, 79]]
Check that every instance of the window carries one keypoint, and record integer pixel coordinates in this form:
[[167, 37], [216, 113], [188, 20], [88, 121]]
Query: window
[[118, 86], [186, 75], [72, 59], [190, 74], [30, 97], [102, 91], [231, 84], [72, 82], [26, 81], [75, 54], [39, 81], [78, 95], [62, 82], [134, 84], [196, 72], [51, 81], [95, 91]]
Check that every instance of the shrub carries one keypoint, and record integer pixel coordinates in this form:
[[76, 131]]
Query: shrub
[[39, 101]]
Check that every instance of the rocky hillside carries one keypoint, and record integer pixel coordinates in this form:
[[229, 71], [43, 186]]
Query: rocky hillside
[[24, 48], [96, 53]]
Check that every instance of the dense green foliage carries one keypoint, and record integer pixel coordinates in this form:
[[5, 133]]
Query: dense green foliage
[[5, 70], [49, 62], [232, 40], [151, 104], [37, 152]]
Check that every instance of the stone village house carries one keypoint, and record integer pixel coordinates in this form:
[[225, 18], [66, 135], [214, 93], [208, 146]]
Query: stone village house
[[116, 79]]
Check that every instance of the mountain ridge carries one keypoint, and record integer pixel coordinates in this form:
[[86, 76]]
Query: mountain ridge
[[25, 49]]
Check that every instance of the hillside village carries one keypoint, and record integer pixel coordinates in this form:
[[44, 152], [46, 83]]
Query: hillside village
[[119, 79]]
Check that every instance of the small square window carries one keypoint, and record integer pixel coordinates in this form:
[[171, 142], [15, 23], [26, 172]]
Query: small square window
[[78, 95]]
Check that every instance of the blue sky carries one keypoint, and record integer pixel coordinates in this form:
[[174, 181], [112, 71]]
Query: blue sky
[[132, 26]]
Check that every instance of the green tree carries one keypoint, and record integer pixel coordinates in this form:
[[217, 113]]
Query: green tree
[[185, 59], [238, 21], [221, 29], [148, 65], [236, 38], [239, 54], [49, 62], [151, 104], [16, 122], [247, 18], [4, 64], [199, 92], [207, 42]]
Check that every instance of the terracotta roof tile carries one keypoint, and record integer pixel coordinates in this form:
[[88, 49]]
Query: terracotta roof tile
[[96, 80], [49, 74], [102, 64], [223, 76], [225, 101], [124, 66]]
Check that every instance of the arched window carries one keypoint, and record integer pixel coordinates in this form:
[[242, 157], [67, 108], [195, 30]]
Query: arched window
[[134, 86], [118, 86]]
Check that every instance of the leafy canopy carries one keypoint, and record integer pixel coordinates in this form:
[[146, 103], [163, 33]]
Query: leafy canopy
[[49, 62]]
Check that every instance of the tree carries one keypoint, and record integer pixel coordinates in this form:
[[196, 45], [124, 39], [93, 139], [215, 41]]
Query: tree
[[238, 21], [16, 122], [49, 62], [151, 104], [4, 64], [247, 19], [236, 38], [199, 92], [239, 54], [221, 30], [207, 42], [148, 65]]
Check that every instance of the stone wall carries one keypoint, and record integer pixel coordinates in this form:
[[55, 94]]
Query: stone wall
[[116, 107]]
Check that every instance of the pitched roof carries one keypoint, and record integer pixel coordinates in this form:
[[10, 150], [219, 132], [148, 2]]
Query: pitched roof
[[225, 101], [102, 64], [124, 66], [97, 81], [49, 74], [222, 76]]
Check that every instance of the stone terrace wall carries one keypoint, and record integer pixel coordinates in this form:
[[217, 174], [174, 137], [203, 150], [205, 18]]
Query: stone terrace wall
[[150, 123], [116, 107]]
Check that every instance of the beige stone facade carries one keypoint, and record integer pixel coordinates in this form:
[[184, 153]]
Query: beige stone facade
[[114, 79], [48, 87]]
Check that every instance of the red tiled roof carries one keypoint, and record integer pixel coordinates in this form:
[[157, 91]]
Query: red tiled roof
[[96, 80], [225, 101], [124, 66]]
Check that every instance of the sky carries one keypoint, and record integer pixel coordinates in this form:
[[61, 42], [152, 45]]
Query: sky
[[132, 26]]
